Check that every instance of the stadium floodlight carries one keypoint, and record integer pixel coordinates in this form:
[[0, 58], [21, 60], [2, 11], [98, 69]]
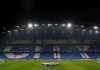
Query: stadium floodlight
[[63, 25], [56, 24], [84, 30], [69, 25], [49, 24], [36, 25], [8, 31], [90, 31], [30, 25], [82, 26], [15, 30], [4, 28], [95, 27], [96, 32]]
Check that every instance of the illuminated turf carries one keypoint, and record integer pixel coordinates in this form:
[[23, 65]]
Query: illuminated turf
[[36, 65]]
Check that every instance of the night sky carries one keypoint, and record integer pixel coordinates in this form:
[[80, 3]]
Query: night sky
[[18, 12]]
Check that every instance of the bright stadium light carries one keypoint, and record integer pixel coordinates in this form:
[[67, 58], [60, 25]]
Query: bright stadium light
[[69, 25], [84, 30], [4, 28], [15, 30], [96, 32], [82, 26], [56, 24], [30, 25], [8, 31], [63, 25], [49, 24], [36, 25], [90, 31], [95, 27]]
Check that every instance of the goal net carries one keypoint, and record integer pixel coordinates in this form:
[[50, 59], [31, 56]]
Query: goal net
[[98, 60], [2, 61]]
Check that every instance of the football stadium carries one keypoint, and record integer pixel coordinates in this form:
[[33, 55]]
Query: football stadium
[[50, 47], [50, 35]]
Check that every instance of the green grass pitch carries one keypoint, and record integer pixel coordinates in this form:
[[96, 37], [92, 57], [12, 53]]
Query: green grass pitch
[[36, 65]]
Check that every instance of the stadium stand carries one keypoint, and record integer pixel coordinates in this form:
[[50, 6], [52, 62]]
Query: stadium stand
[[50, 43]]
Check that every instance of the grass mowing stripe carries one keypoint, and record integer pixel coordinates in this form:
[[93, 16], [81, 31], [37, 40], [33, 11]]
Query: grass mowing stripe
[[74, 65], [36, 65], [13, 64], [88, 64]]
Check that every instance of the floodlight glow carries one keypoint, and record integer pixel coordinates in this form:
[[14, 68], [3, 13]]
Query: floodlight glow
[[17, 26], [63, 25], [30, 25], [84, 30], [8, 31], [49, 24], [90, 30], [82, 26], [43, 24], [56, 24], [15, 30], [4, 28], [35, 25], [95, 27], [96, 32], [69, 25]]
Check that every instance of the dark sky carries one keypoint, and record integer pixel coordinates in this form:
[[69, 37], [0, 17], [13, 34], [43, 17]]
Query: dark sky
[[17, 12]]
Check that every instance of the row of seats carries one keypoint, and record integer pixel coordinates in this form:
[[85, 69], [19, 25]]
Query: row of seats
[[48, 48], [47, 56]]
